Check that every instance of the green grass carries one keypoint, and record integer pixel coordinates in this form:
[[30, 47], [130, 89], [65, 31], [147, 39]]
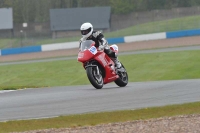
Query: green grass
[[140, 67], [184, 23], [100, 118]]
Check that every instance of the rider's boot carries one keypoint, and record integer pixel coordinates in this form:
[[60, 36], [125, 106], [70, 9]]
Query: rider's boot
[[113, 57], [117, 62]]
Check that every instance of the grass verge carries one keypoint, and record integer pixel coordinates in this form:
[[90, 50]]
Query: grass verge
[[140, 67], [183, 23], [100, 118]]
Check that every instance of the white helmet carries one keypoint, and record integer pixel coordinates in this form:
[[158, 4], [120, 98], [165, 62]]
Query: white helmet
[[86, 29]]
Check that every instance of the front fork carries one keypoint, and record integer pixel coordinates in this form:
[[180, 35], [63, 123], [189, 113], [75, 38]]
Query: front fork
[[89, 64]]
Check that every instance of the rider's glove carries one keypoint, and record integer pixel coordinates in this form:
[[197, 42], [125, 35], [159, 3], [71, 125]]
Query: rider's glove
[[101, 47], [103, 44]]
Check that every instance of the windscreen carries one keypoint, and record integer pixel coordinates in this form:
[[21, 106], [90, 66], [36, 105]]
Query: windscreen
[[86, 44]]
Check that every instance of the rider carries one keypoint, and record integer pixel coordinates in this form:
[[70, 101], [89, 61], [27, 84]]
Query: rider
[[100, 42]]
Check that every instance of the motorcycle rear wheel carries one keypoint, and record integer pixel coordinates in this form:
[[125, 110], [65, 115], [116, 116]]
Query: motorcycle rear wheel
[[123, 78], [95, 79]]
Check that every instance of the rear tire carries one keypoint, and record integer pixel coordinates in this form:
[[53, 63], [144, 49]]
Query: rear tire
[[95, 79], [123, 78]]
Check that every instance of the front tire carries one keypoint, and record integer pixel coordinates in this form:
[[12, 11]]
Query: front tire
[[95, 77], [123, 78]]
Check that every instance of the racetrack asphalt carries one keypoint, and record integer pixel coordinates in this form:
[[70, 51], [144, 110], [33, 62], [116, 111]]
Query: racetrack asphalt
[[55, 101]]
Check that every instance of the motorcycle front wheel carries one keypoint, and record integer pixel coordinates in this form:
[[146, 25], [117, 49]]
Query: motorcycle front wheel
[[95, 76]]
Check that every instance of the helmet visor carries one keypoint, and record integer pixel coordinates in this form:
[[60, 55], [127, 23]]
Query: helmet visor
[[85, 32]]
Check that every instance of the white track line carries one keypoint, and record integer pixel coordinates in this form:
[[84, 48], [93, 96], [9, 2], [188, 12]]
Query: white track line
[[4, 91]]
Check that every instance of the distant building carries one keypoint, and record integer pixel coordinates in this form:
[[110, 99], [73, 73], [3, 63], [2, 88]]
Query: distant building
[[66, 22]]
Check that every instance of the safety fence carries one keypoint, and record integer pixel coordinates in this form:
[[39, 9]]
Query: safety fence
[[126, 39]]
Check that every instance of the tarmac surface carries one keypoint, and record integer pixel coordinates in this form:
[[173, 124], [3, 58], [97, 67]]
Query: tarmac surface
[[66, 100]]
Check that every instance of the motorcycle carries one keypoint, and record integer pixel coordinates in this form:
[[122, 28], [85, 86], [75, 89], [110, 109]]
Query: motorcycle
[[99, 67]]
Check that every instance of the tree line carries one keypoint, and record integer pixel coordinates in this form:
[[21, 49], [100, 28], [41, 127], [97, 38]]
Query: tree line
[[38, 10]]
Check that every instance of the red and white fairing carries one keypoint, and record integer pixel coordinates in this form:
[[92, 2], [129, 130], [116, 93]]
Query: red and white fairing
[[88, 52]]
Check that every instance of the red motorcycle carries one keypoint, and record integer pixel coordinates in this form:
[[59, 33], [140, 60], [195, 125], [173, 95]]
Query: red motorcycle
[[99, 67]]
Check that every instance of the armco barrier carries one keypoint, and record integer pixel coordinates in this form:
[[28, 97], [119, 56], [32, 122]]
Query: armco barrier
[[145, 37], [126, 39], [58, 46], [184, 33], [27, 49], [115, 40], [68, 45]]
